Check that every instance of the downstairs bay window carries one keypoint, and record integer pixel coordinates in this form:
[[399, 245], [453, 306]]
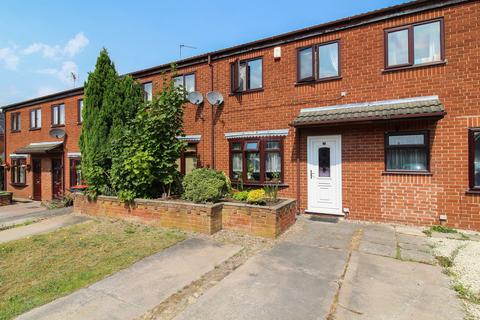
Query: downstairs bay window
[[474, 159], [256, 161], [407, 152]]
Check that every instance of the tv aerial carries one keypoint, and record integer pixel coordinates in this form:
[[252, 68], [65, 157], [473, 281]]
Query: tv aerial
[[195, 97], [214, 98]]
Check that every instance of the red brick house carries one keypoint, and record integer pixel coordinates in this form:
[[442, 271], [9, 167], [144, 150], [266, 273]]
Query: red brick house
[[374, 116]]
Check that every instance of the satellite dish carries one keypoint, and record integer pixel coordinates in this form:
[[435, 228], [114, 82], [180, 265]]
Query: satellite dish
[[195, 97], [57, 133], [214, 98]]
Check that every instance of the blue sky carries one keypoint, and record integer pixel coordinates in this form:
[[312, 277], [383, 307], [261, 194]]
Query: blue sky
[[41, 42]]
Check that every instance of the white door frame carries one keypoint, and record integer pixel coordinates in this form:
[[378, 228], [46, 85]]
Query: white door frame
[[338, 167]]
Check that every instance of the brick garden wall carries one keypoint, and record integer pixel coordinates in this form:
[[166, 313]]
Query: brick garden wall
[[262, 221]]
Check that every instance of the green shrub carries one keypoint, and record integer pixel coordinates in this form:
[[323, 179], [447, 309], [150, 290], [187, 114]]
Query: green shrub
[[205, 185], [256, 196], [240, 195], [443, 229]]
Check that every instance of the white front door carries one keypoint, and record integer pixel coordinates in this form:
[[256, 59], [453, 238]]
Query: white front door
[[324, 174]]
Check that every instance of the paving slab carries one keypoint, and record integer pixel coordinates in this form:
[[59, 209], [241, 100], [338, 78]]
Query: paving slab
[[288, 282], [132, 292], [44, 226], [378, 287], [22, 212]]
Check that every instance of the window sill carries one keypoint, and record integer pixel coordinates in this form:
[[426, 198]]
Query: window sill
[[57, 126], [34, 129], [79, 123], [406, 173], [310, 82], [18, 184], [423, 65], [473, 191], [258, 184], [245, 92], [15, 131]]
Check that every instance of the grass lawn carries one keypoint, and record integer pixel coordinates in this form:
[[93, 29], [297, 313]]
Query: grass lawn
[[39, 269]]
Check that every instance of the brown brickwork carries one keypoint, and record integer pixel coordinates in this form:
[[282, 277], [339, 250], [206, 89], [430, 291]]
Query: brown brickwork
[[268, 222], [368, 192]]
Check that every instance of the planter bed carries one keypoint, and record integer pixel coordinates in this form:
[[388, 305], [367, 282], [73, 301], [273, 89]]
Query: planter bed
[[264, 221], [5, 198]]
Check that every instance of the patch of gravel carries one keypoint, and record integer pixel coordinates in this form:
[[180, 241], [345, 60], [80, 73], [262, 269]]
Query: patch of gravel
[[465, 271]]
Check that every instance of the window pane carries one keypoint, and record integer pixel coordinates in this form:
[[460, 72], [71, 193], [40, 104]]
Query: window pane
[[328, 64], [251, 146], [255, 69], [272, 145], [398, 47], [407, 159], [190, 83], [55, 115], [80, 111], [39, 118], [273, 166], [147, 89], [414, 139], [476, 168], [62, 113], [253, 166], [237, 166], [305, 57], [427, 43], [324, 162], [190, 163], [178, 81], [32, 119], [242, 77], [237, 146]]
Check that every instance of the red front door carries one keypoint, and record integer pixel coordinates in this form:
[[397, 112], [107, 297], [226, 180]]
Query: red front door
[[57, 188], [37, 179]]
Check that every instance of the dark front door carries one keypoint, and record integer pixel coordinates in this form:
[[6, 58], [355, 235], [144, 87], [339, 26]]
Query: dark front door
[[57, 178], [37, 179]]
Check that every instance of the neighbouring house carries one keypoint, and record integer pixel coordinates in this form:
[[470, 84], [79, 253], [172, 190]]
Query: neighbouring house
[[375, 116]]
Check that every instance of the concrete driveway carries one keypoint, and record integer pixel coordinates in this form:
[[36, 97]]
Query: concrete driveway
[[335, 271], [21, 212]]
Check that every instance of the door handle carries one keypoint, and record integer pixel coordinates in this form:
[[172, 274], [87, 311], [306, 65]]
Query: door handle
[[311, 174]]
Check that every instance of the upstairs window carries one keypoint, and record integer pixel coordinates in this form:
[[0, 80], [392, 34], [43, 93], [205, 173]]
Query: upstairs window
[[407, 152], [15, 121], [35, 119], [186, 81], [58, 115], [474, 158], [320, 62], [80, 111], [147, 91], [256, 161], [247, 75], [18, 171], [415, 44]]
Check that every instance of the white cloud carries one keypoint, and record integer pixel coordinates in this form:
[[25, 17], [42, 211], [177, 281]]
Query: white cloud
[[76, 44], [72, 48], [9, 58], [46, 90], [64, 73]]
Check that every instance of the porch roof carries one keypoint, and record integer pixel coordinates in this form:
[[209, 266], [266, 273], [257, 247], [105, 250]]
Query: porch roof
[[419, 107], [41, 147]]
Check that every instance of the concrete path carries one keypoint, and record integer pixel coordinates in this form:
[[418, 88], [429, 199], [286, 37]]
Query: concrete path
[[131, 292], [335, 271], [22, 212], [44, 226]]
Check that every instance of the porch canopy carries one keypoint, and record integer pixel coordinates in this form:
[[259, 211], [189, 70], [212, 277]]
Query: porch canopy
[[41, 148], [411, 108]]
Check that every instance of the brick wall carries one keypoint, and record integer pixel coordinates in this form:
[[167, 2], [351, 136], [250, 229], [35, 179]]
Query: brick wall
[[367, 191], [261, 221]]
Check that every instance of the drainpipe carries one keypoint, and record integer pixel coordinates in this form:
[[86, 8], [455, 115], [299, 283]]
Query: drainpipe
[[212, 146], [4, 168], [298, 136]]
